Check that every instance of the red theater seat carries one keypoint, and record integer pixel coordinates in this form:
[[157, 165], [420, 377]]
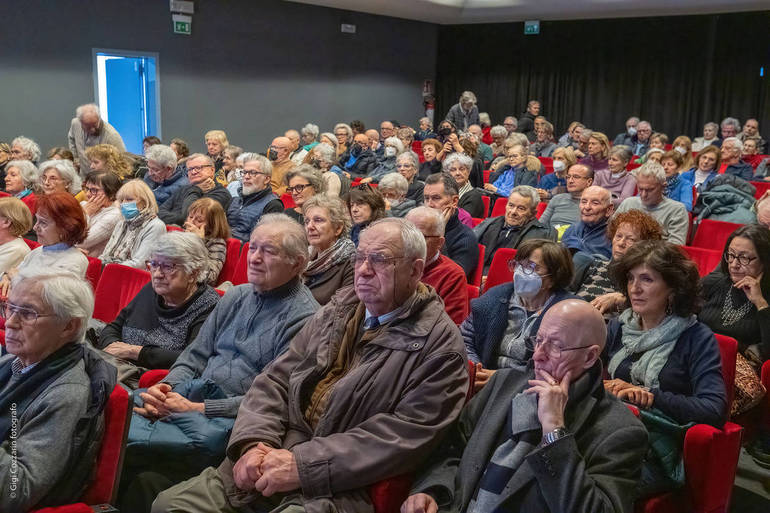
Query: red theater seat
[[117, 287], [498, 269], [706, 259], [711, 234], [231, 261]]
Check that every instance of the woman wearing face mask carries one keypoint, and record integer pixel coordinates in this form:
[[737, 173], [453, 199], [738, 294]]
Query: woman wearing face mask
[[683, 146], [503, 321], [393, 188], [324, 158], [555, 183], [133, 236], [60, 224], [676, 188], [615, 178], [431, 165], [387, 163]]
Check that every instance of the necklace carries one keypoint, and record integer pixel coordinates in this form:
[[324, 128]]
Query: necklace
[[731, 315]]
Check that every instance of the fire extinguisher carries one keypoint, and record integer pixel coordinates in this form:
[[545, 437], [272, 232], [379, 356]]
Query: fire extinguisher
[[430, 107]]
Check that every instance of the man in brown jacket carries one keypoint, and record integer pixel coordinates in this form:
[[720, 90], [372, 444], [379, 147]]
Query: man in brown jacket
[[363, 394]]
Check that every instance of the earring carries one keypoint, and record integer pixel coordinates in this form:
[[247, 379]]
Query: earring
[[669, 308]]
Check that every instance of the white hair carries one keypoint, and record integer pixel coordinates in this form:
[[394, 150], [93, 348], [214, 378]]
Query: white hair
[[461, 158], [468, 97], [427, 120], [311, 129], [325, 152], [737, 143], [395, 141], [68, 296], [162, 154], [264, 163], [731, 122], [294, 240], [712, 125], [345, 127], [185, 249], [28, 172], [412, 239], [498, 131], [29, 146], [394, 182], [411, 157], [484, 118], [651, 169], [66, 170], [85, 109], [431, 214], [527, 191]]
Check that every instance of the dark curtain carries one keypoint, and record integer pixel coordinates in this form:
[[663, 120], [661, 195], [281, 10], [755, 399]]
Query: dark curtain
[[678, 72]]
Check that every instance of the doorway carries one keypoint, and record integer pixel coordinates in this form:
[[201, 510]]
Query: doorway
[[127, 89]]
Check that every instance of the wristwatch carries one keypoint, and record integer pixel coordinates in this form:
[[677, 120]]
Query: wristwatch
[[552, 436]]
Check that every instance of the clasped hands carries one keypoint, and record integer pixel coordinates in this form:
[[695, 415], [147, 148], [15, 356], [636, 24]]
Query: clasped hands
[[266, 470], [633, 394], [160, 401]]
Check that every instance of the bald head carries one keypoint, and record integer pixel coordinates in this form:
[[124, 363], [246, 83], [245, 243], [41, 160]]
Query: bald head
[[374, 138], [293, 136], [763, 212], [282, 146]]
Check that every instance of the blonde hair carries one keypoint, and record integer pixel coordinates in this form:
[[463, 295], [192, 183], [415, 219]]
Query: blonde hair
[[604, 141], [18, 214], [217, 135], [113, 159], [216, 220], [141, 193]]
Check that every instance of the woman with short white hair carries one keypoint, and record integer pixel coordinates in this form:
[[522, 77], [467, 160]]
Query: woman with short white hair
[[344, 135], [710, 137], [393, 188], [24, 148], [23, 181], [59, 176], [459, 166], [309, 134], [324, 158], [167, 313], [387, 163], [408, 164]]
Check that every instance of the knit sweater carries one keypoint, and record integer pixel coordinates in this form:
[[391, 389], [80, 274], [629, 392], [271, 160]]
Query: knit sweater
[[621, 186], [562, 209], [46, 259], [671, 215], [448, 279], [244, 333], [162, 332], [12, 253], [217, 249], [100, 228]]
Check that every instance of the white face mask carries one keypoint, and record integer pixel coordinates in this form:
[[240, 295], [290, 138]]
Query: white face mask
[[558, 166], [632, 131], [681, 149], [526, 285], [390, 151]]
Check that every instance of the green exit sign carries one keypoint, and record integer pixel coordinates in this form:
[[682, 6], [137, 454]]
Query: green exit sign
[[182, 24], [531, 28]]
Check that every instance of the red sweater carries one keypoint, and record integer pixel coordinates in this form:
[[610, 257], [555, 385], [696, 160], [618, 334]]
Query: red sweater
[[448, 279]]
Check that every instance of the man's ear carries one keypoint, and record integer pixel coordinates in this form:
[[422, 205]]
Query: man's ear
[[593, 353]]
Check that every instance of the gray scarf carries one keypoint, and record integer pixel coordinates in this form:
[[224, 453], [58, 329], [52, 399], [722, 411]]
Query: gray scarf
[[338, 252], [654, 345]]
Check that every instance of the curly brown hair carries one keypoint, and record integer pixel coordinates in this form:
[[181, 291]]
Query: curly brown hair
[[677, 269], [112, 158], [645, 224]]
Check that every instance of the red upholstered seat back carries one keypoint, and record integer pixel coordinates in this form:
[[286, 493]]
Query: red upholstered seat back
[[117, 287], [499, 208], [240, 275], [706, 259], [231, 261], [477, 273], [498, 269], [94, 271], [713, 234]]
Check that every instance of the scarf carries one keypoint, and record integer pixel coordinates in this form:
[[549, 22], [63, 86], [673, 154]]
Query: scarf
[[23, 194], [653, 346], [321, 262], [465, 188], [671, 184], [119, 249]]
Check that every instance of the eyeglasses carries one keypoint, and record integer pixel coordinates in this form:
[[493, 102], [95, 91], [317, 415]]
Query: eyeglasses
[[551, 349], [743, 260], [251, 173], [376, 261], [404, 166], [195, 169], [576, 177], [50, 178], [27, 315], [165, 268], [527, 267], [93, 190], [297, 188]]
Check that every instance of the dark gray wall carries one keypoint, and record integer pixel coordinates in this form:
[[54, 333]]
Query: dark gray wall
[[253, 68]]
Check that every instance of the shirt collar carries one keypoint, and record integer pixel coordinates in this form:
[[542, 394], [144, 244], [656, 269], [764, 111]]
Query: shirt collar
[[17, 367], [59, 246], [387, 317]]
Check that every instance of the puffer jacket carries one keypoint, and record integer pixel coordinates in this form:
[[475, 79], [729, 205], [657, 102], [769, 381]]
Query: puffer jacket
[[384, 416], [726, 198]]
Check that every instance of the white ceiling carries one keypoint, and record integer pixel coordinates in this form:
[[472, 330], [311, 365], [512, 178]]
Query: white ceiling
[[450, 12]]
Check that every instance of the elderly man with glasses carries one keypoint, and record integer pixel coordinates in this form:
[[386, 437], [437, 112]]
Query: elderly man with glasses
[[254, 196], [362, 394], [200, 173], [163, 176], [564, 209], [88, 129]]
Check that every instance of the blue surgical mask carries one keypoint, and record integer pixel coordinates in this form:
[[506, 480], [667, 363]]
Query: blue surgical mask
[[129, 210], [526, 285]]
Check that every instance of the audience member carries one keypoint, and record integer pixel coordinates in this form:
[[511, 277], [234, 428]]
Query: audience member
[[564, 208], [296, 152], [23, 182], [255, 196], [54, 389], [556, 183], [510, 123], [88, 129], [678, 188], [542, 439], [163, 176], [526, 122], [248, 329], [732, 164], [393, 188], [392, 147], [499, 134], [615, 178], [589, 235], [327, 226], [425, 130], [387, 129], [343, 136], [737, 292], [471, 149], [652, 155], [762, 207], [60, 153], [485, 151], [516, 226], [751, 132], [303, 183], [309, 134], [707, 162], [464, 113], [180, 148], [374, 142], [671, 214], [24, 148], [200, 173], [408, 164], [100, 209], [60, 176], [511, 175], [459, 166], [216, 142], [640, 143], [406, 136], [365, 205], [440, 272], [106, 157], [323, 158], [148, 141], [15, 221], [441, 193], [709, 137], [206, 219], [278, 154], [544, 143], [592, 280], [598, 152], [411, 395], [572, 137], [357, 127], [230, 170], [135, 234], [166, 315], [503, 320], [627, 138], [431, 165], [658, 354], [749, 154], [683, 146], [729, 127], [359, 160]]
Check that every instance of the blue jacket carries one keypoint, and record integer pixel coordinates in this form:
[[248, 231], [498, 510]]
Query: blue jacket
[[167, 187], [461, 245], [689, 176], [740, 169], [245, 211], [681, 192], [509, 177], [489, 318], [591, 239]]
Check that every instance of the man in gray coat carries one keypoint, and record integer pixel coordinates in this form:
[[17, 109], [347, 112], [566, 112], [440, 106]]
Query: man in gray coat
[[363, 394], [88, 129], [551, 439]]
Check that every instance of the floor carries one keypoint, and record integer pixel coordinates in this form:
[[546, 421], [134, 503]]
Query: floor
[[751, 493]]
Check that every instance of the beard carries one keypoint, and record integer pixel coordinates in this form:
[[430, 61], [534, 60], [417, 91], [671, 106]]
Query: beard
[[249, 189]]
